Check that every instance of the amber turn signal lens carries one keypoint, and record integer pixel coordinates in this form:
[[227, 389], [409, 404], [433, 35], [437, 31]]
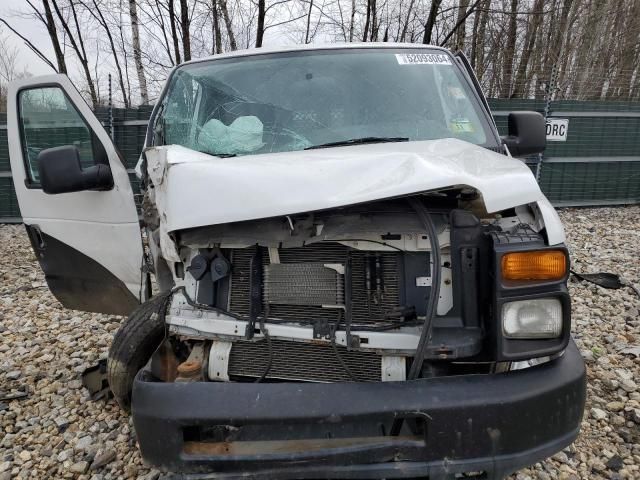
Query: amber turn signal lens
[[536, 265]]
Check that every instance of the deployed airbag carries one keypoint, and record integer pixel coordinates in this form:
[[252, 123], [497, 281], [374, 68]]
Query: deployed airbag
[[242, 136]]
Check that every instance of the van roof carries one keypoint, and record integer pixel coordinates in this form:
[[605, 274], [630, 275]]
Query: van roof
[[313, 47]]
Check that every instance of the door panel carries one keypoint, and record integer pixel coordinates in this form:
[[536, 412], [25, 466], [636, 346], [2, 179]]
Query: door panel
[[79, 282], [88, 243]]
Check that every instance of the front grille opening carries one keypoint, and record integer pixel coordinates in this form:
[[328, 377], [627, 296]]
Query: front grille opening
[[450, 369], [298, 361], [208, 433], [298, 436], [472, 476]]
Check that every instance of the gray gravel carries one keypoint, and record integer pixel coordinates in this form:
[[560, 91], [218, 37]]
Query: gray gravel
[[57, 432]]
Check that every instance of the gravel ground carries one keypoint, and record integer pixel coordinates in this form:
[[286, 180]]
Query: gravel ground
[[57, 432]]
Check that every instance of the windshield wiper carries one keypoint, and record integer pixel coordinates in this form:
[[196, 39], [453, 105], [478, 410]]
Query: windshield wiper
[[221, 155], [359, 141]]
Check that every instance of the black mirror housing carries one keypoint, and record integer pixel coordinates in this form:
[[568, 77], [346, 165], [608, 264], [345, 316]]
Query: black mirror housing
[[61, 172], [527, 134]]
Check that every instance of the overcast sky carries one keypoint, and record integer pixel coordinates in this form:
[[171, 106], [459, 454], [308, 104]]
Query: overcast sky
[[11, 10], [18, 14]]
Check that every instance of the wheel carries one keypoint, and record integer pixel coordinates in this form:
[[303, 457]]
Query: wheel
[[133, 344]]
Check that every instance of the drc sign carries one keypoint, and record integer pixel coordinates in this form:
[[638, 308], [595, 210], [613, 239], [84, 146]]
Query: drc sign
[[557, 129]]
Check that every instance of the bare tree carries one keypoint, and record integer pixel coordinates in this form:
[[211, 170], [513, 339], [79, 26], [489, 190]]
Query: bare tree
[[217, 35], [184, 24], [510, 49], [535, 20], [479, 30], [30, 45], [9, 70], [53, 34], [96, 13], [174, 31], [431, 21], [351, 22], [75, 37], [48, 21], [306, 34], [514, 45], [461, 33], [228, 24], [262, 11], [137, 55], [405, 26]]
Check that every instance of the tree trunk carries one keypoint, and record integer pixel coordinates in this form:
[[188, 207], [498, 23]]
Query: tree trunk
[[228, 24], [431, 21], [621, 80], [261, 15], [184, 24], [163, 29], [555, 44], [174, 32], [462, 31], [533, 76], [217, 35], [124, 49], [366, 22], [406, 22], [509, 51], [535, 19], [566, 48], [137, 55], [584, 64], [78, 48], [352, 21], [101, 20], [306, 34], [53, 34], [474, 38], [374, 21], [478, 57]]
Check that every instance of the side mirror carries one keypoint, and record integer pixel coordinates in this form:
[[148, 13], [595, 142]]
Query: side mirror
[[60, 172], [527, 134]]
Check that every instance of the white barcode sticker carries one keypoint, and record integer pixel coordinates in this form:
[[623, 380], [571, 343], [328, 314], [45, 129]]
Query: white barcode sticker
[[423, 59]]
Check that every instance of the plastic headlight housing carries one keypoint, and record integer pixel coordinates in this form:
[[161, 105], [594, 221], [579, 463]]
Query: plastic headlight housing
[[536, 265], [536, 318]]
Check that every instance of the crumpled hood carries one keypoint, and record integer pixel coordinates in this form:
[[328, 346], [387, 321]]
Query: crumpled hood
[[195, 189]]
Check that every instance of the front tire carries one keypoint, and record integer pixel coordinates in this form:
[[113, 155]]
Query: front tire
[[133, 344]]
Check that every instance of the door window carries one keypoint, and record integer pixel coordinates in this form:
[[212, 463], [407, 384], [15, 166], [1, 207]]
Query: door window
[[48, 119]]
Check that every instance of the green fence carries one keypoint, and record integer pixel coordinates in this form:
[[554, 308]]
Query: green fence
[[598, 164]]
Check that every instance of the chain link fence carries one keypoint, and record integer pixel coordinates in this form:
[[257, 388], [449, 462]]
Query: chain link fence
[[593, 127]]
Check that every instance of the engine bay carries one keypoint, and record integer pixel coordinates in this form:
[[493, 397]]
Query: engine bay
[[338, 294]]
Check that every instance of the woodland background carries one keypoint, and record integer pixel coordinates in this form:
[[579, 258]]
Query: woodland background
[[551, 49]]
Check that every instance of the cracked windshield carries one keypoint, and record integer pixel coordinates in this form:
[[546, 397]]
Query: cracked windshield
[[296, 101]]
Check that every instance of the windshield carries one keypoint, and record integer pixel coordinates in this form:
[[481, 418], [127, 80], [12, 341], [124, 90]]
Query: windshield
[[299, 100]]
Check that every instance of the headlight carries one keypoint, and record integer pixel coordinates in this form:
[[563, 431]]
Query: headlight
[[538, 318]]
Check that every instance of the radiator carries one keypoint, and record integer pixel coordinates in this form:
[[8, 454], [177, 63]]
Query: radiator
[[303, 284], [302, 361], [299, 287]]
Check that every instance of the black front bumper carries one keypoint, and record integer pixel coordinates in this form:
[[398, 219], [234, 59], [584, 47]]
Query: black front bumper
[[492, 423]]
